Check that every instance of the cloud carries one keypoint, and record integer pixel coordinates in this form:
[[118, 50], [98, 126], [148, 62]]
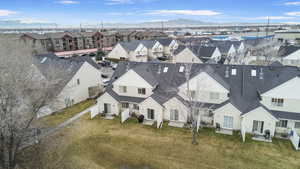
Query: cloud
[[184, 12], [68, 2], [273, 18], [120, 13], [292, 3], [293, 13], [32, 20], [122, 2], [4, 12]]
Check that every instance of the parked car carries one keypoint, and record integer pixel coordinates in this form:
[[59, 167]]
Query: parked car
[[105, 63]]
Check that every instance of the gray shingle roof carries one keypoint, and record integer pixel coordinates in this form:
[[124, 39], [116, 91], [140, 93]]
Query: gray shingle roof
[[286, 50], [245, 90], [165, 41]]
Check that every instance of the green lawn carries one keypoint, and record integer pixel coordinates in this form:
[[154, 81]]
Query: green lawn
[[61, 116], [107, 144]]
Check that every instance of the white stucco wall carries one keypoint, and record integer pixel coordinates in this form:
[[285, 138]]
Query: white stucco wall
[[205, 84], [216, 55], [149, 103], [288, 93], [118, 52], [186, 56], [174, 103], [132, 81], [259, 114], [88, 76], [106, 98], [228, 110]]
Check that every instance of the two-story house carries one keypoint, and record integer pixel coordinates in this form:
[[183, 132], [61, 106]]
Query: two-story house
[[79, 77], [196, 54], [254, 99], [131, 51]]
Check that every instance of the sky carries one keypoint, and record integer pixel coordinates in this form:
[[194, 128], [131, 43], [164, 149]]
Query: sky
[[74, 12]]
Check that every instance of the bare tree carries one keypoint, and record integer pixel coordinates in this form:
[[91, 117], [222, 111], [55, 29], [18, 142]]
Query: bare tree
[[195, 108], [23, 92]]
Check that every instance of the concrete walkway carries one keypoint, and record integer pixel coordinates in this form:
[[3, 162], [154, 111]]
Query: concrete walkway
[[48, 132]]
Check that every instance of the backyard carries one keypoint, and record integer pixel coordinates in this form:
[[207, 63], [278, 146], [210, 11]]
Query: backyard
[[107, 144]]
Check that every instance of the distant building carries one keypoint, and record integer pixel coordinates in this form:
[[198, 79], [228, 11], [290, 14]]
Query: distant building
[[71, 41]]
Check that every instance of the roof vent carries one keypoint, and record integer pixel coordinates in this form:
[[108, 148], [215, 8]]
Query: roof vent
[[181, 69], [227, 72], [159, 69], [166, 69], [44, 60], [253, 72], [261, 74]]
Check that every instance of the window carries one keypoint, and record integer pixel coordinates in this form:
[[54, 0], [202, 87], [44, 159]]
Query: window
[[174, 115], [136, 107], [125, 105], [150, 114], [297, 125], [253, 73], [228, 122], [78, 81], [282, 123], [122, 89], [277, 102], [142, 91], [214, 95], [166, 69], [181, 69], [233, 72], [57, 42]]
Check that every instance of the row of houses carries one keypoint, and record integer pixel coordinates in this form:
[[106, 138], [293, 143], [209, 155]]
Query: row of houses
[[143, 50], [176, 51], [260, 100], [71, 41]]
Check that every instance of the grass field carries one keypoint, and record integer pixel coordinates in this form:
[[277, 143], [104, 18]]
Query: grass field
[[107, 144], [59, 117]]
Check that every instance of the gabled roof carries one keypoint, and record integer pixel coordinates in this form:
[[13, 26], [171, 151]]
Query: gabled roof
[[204, 53], [130, 46], [286, 50], [148, 43], [244, 89], [165, 41], [67, 68]]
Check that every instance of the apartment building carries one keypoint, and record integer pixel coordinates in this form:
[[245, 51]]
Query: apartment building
[[258, 100], [70, 41]]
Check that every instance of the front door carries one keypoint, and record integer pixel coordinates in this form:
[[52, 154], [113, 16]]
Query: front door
[[107, 108], [228, 122], [258, 126], [150, 114]]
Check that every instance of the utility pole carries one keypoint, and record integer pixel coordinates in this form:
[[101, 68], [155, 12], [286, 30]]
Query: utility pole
[[267, 31], [102, 26], [162, 26]]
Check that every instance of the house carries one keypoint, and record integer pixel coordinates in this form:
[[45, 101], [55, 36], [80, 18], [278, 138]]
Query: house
[[258, 100], [154, 48], [143, 50], [196, 54], [169, 46], [80, 79], [290, 55], [131, 51]]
